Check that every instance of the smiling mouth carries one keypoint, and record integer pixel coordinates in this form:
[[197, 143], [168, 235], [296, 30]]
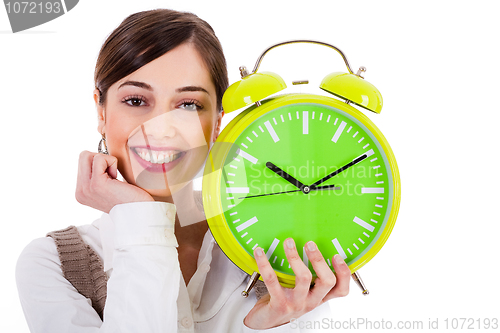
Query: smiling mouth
[[157, 156]]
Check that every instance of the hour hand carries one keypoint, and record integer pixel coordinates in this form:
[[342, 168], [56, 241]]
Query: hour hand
[[284, 175]]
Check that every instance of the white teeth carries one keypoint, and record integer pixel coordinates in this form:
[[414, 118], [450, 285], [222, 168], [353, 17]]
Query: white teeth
[[157, 157]]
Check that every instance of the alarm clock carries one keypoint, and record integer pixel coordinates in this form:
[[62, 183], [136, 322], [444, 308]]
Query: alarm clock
[[304, 166]]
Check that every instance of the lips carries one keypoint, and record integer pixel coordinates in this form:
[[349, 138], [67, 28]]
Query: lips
[[157, 159]]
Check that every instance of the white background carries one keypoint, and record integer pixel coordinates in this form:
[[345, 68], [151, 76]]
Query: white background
[[435, 63]]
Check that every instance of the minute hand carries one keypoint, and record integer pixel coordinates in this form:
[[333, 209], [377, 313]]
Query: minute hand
[[336, 172]]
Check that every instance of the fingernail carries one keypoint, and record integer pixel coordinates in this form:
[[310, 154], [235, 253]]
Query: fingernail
[[290, 243], [311, 246], [259, 252], [338, 259]]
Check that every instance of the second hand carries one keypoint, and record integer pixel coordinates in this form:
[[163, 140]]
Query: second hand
[[320, 188]]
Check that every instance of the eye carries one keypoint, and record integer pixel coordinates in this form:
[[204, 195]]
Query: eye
[[134, 101], [191, 105]]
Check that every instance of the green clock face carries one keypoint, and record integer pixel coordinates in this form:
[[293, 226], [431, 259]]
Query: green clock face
[[347, 195]]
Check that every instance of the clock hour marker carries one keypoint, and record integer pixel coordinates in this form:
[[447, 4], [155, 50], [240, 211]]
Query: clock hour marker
[[305, 259], [237, 190], [246, 156], [372, 190], [271, 249], [339, 131], [305, 122], [339, 248], [369, 153], [246, 224], [362, 223], [271, 131]]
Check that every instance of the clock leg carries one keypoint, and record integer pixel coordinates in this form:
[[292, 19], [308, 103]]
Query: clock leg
[[253, 279], [357, 278]]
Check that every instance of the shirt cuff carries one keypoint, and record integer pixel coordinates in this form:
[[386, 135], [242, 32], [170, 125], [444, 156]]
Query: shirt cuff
[[144, 223]]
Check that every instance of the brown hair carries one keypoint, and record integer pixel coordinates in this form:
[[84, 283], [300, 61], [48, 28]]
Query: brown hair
[[142, 37]]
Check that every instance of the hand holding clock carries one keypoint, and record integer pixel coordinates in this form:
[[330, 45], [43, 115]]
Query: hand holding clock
[[283, 304]]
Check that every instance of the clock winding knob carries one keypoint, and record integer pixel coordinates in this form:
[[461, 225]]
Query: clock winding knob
[[361, 70], [243, 71]]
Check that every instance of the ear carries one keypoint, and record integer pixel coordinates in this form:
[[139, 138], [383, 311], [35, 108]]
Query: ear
[[101, 116], [217, 125]]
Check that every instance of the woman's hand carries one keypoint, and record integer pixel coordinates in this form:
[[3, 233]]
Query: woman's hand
[[283, 304], [98, 187]]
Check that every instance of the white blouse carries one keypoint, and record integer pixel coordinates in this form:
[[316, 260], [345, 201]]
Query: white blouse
[[145, 289]]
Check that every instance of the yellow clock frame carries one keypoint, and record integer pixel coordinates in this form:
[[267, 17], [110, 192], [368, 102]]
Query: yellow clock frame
[[348, 86]]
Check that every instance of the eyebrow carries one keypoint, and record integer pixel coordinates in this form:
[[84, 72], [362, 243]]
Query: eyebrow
[[148, 87], [136, 84], [191, 88]]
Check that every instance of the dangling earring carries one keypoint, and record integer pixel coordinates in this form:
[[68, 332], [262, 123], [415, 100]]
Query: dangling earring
[[101, 144]]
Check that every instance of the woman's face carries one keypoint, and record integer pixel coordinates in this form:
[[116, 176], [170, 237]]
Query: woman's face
[[159, 121]]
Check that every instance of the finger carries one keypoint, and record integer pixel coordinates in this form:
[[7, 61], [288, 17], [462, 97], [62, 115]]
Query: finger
[[85, 166], [343, 274], [325, 280], [102, 163], [268, 275], [303, 275]]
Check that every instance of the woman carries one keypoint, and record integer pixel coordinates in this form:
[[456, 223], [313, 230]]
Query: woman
[[159, 82]]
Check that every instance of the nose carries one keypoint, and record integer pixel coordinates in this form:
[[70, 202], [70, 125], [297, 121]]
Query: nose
[[162, 126]]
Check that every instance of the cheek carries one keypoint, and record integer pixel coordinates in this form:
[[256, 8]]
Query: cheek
[[117, 135]]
